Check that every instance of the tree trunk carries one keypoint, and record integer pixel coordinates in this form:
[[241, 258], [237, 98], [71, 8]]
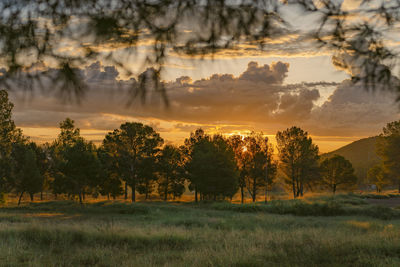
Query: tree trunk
[[31, 196], [242, 193], [166, 190], [41, 195], [334, 189], [195, 194], [20, 197], [83, 195], [108, 196], [301, 188], [133, 192], [80, 197], [294, 188], [126, 190], [293, 183], [254, 189]]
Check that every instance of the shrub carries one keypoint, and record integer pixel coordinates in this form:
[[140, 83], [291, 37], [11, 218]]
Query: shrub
[[3, 198]]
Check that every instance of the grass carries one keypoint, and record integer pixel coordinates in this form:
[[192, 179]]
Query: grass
[[322, 231]]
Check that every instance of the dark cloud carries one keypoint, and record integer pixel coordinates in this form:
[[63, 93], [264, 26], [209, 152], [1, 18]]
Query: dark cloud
[[257, 99], [274, 74], [352, 110]]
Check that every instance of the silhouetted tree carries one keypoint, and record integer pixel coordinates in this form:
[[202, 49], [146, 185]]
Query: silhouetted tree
[[388, 148], [337, 172], [26, 170], [298, 159], [238, 145], [133, 143], [257, 156], [171, 174], [110, 176], [75, 165], [187, 149], [80, 167], [378, 176], [212, 168], [9, 135], [147, 175]]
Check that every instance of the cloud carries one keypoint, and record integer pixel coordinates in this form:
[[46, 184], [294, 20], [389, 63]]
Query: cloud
[[274, 74], [352, 110], [256, 99]]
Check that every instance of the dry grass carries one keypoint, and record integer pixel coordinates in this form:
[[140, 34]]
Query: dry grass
[[185, 234]]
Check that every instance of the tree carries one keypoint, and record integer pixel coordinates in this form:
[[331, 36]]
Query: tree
[[75, 164], [147, 175], [388, 149], [298, 159], [257, 157], [212, 168], [67, 137], [26, 170], [9, 135], [187, 148], [171, 172], [133, 142], [377, 176], [110, 177], [337, 172], [80, 168], [238, 146], [358, 46]]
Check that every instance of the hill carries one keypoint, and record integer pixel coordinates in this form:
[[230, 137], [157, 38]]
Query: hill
[[360, 153]]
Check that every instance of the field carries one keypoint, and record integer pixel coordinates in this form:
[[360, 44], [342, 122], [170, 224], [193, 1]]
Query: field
[[346, 230]]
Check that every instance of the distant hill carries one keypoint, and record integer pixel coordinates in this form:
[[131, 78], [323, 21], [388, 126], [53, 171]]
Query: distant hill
[[360, 153]]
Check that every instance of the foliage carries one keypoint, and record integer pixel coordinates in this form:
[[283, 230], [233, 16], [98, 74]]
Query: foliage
[[257, 156], [378, 177], [130, 145], [80, 167], [298, 159], [171, 172], [213, 168], [188, 148], [75, 164], [27, 176], [362, 155], [41, 28], [337, 172], [9, 134], [388, 149], [236, 142]]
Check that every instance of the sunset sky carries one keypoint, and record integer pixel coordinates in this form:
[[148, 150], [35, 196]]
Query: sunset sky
[[289, 83]]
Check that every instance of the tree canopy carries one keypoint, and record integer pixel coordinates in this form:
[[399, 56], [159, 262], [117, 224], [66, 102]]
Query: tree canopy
[[298, 159], [337, 172], [388, 149]]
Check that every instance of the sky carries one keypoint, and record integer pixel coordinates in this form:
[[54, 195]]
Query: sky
[[290, 82]]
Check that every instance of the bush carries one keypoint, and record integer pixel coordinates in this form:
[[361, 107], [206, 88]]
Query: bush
[[303, 208], [377, 211], [294, 207], [3, 198]]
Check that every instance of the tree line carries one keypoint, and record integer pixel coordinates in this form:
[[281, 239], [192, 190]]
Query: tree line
[[134, 159]]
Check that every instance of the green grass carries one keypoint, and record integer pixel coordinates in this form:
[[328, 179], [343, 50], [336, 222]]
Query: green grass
[[326, 231]]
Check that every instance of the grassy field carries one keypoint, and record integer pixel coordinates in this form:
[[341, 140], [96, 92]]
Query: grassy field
[[322, 231]]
